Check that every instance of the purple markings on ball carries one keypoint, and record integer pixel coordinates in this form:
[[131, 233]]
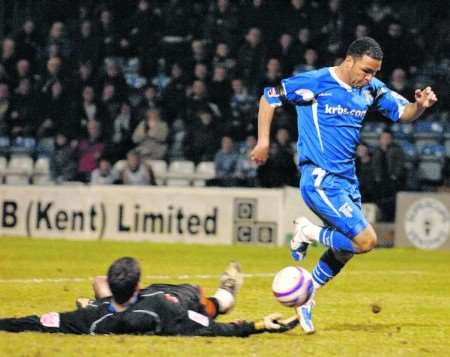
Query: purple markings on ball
[[295, 288]]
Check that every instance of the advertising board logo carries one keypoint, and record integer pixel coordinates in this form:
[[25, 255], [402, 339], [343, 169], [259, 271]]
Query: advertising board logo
[[427, 223], [247, 228]]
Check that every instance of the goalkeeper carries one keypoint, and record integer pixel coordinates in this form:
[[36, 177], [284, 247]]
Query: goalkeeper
[[122, 307]]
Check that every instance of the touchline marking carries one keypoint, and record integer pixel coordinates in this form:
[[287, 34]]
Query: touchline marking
[[198, 277]]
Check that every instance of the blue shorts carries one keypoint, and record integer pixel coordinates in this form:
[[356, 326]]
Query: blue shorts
[[334, 199]]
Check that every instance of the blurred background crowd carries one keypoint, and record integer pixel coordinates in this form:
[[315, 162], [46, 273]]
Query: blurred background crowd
[[100, 90]]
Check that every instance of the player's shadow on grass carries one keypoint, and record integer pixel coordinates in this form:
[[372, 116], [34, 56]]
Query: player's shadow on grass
[[371, 327]]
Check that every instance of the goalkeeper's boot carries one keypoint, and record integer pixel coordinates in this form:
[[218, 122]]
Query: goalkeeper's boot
[[232, 278], [305, 316], [300, 242]]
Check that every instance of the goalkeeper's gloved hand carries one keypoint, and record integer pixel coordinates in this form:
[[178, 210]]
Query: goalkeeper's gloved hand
[[275, 323]]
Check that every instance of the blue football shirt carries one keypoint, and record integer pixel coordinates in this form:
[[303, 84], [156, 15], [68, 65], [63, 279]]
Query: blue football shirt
[[330, 114]]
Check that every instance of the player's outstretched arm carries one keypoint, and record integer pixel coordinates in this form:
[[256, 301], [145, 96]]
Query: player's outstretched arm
[[425, 98], [260, 152]]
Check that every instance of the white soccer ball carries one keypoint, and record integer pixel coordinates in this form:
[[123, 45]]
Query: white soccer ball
[[292, 286]]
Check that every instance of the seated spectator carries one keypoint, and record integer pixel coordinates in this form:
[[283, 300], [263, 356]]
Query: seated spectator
[[54, 113], [310, 57], [247, 169], [136, 172], [202, 142], [281, 161], [5, 109], [25, 113], [178, 141], [223, 58], [243, 109], [122, 130], [89, 150], [104, 174], [87, 110], [63, 164], [365, 173], [151, 136], [225, 162], [389, 172]]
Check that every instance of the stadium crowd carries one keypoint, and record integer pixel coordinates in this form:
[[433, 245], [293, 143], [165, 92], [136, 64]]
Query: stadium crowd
[[89, 83]]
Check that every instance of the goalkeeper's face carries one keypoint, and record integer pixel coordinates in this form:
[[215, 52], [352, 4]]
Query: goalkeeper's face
[[362, 70]]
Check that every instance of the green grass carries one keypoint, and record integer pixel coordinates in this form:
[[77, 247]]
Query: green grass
[[412, 287]]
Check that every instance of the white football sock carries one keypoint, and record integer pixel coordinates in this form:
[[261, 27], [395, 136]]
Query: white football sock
[[312, 231], [225, 300], [316, 285]]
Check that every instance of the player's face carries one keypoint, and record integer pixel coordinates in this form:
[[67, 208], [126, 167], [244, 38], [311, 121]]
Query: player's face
[[362, 70]]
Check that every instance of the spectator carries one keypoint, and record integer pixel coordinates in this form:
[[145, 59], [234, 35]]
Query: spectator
[[5, 110], [310, 61], [23, 71], [87, 46], [113, 76], [8, 57], [399, 83], [272, 76], [281, 161], [252, 56], [203, 137], [28, 42], [136, 172], [104, 174], [25, 113], [89, 150], [223, 58], [365, 173], [286, 53], [220, 90], [246, 169], [243, 108], [174, 93], [87, 110], [58, 37], [54, 114], [222, 22], [52, 74], [197, 99], [63, 164], [179, 144], [123, 125], [83, 78], [389, 170], [151, 136], [225, 162]]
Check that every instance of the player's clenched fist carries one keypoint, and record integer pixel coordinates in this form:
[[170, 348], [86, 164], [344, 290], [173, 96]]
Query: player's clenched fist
[[260, 153], [425, 97]]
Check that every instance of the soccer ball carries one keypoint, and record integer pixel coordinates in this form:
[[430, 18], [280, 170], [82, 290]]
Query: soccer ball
[[292, 286]]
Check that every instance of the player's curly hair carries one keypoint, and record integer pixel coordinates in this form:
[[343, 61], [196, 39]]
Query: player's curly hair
[[365, 46], [123, 278]]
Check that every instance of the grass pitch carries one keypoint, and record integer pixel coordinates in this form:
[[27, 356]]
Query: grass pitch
[[412, 289]]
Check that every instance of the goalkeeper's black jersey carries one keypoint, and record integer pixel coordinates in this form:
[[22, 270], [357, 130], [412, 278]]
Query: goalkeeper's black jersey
[[159, 310]]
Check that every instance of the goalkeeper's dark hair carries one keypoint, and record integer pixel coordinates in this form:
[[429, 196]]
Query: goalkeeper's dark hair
[[123, 278], [365, 46]]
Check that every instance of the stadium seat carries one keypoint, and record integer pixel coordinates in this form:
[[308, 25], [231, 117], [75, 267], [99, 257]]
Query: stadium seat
[[431, 163], [4, 144], [159, 168], [41, 171], [410, 150], [427, 133], [403, 132], [371, 132], [19, 170], [205, 170], [180, 173], [3, 164], [22, 145]]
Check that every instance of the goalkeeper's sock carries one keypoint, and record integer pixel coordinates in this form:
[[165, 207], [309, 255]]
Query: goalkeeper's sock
[[329, 265], [336, 240], [224, 299]]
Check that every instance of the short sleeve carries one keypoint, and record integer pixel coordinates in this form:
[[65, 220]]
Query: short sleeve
[[389, 103], [299, 89]]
